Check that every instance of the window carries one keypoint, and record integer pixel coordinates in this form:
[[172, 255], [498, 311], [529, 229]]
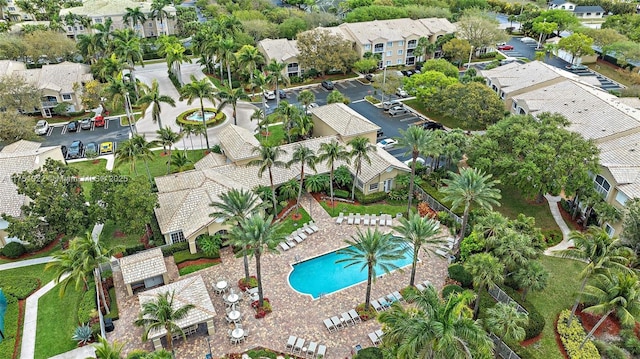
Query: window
[[389, 63], [400, 52], [412, 43], [378, 48], [502, 95], [66, 97], [609, 229], [359, 184], [602, 186], [389, 53], [373, 187], [621, 198], [390, 44], [97, 20], [367, 46], [177, 237], [70, 28], [81, 28], [401, 43], [12, 8], [399, 62]]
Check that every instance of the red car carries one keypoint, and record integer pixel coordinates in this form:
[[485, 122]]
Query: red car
[[505, 47], [98, 121]]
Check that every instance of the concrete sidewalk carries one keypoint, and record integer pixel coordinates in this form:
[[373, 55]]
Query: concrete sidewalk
[[25, 263], [557, 216]]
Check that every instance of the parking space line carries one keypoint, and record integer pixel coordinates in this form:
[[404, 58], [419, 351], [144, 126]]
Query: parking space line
[[49, 131], [64, 129], [341, 85], [412, 118]]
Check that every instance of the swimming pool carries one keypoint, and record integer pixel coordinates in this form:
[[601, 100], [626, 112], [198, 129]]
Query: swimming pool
[[322, 275]]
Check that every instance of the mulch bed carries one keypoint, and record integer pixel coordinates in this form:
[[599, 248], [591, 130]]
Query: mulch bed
[[198, 261], [526, 343], [568, 220], [291, 203], [48, 247], [609, 326], [318, 196]]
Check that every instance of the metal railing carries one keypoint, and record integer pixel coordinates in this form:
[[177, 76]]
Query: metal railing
[[499, 295], [434, 204], [501, 349]]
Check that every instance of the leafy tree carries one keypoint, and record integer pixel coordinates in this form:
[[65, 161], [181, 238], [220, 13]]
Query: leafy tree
[[15, 127], [470, 187], [332, 153], [487, 271], [16, 93], [435, 328], [631, 225], [269, 157], [563, 18], [232, 207], [371, 250], [387, 82], [624, 51], [457, 50], [133, 206], [365, 65], [260, 234], [472, 103], [626, 24], [418, 232], [199, 89], [375, 12], [544, 28], [414, 140], [480, 29], [154, 99], [292, 27], [49, 44], [507, 322], [305, 157], [441, 65], [577, 45], [427, 84], [324, 51], [163, 313], [532, 276]]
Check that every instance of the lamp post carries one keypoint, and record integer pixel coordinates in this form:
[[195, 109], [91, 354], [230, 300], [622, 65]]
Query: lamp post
[[128, 110], [384, 80], [470, 53], [540, 37]]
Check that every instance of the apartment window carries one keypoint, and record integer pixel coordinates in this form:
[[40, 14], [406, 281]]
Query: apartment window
[[66, 97], [602, 186], [400, 52], [588, 14], [389, 53], [97, 20], [367, 46], [502, 95], [412, 43], [388, 62], [610, 231], [401, 43], [390, 44], [81, 28], [373, 187], [621, 198], [378, 48], [399, 62], [70, 28], [359, 184], [177, 237], [12, 8]]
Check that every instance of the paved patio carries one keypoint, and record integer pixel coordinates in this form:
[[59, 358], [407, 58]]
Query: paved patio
[[293, 313]]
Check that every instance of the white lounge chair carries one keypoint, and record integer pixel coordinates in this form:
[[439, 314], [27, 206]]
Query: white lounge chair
[[441, 253], [346, 319], [296, 237], [307, 229], [311, 350], [383, 302], [398, 296], [426, 283], [391, 298], [336, 322], [301, 234], [420, 287], [298, 347], [290, 242], [376, 305], [350, 219], [284, 246], [330, 327], [389, 220], [290, 343], [379, 333], [357, 219], [340, 218], [374, 338], [354, 316], [322, 351], [373, 220], [365, 221], [382, 221], [313, 226]]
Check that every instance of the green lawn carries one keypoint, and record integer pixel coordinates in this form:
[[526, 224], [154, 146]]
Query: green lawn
[[289, 225], [57, 319], [52, 251], [276, 136], [445, 120], [513, 203], [611, 73], [157, 165], [114, 312], [109, 239], [374, 208], [89, 168]]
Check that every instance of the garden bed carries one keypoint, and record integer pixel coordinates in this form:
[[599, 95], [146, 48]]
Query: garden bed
[[217, 119]]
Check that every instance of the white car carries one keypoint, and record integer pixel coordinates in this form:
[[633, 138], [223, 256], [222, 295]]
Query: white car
[[311, 105], [269, 95], [401, 92], [42, 127], [389, 104], [419, 160], [387, 143], [398, 110]]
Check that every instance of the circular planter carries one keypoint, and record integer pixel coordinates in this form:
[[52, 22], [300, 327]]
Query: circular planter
[[219, 117]]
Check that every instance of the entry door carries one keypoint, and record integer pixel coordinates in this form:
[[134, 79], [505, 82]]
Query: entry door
[[152, 282], [388, 184]]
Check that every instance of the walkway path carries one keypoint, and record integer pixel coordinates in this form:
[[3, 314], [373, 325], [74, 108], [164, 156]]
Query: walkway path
[[557, 216], [25, 263]]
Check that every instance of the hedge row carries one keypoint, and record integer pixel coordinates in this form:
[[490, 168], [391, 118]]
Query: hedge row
[[87, 308], [10, 327], [340, 193], [573, 336], [173, 248], [185, 255], [370, 198], [19, 287]]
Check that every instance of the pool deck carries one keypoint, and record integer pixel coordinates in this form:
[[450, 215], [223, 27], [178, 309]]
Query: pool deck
[[293, 313]]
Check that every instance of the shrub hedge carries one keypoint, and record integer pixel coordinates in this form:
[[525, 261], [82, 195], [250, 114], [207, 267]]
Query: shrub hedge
[[573, 336], [218, 118], [459, 274], [19, 287], [340, 193], [135, 249], [370, 198], [185, 255], [451, 289], [173, 248], [370, 353], [13, 250], [87, 307]]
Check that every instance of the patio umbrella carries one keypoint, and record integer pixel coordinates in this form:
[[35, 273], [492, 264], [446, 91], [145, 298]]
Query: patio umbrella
[[3, 309]]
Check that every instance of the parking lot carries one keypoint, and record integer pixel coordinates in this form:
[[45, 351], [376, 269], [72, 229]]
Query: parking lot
[[111, 132]]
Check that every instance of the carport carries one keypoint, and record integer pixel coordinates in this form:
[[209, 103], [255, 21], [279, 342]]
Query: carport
[[144, 270]]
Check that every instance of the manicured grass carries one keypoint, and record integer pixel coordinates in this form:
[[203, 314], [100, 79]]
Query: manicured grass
[[289, 225], [374, 208], [445, 120], [559, 295], [194, 268], [157, 165], [611, 73], [36, 271], [114, 312], [109, 240], [88, 168], [513, 203], [276, 136], [57, 319]]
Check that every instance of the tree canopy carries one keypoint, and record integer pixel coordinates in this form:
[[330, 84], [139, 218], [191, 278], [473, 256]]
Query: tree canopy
[[473, 104], [324, 51], [480, 29]]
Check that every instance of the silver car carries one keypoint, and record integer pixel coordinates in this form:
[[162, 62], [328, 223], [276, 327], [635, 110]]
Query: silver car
[[398, 110], [42, 127]]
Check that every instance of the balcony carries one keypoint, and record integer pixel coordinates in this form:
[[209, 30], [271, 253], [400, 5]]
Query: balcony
[[46, 104]]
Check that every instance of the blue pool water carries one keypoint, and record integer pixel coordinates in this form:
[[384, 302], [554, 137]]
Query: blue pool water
[[322, 275]]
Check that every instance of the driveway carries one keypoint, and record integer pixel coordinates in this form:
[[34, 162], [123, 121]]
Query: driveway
[[111, 132]]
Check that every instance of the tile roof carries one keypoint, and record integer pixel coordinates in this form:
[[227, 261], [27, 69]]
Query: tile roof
[[7, 67], [100, 8], [584, 9], [344, 120], [21, 146], [279, 49], [210, 160], [622, 157], [238, 143], [58, 77], [191, 290], [140, 266], [514, 77], [395, 29]]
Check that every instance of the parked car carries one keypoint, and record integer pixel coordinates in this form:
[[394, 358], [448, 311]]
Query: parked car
[[576, 67], [389, 104], [369, 77], [528, 40], [75, 150], [398, 110], [429, 125], [379, 133], [42, 127], [327, 84], [387, 143], [401, 92], [106, 148], [72, 126], [311, 105], [85, 124], [419, 160], [98, 121], [505, 47], [282, 94], [91, 147], [269, 95]]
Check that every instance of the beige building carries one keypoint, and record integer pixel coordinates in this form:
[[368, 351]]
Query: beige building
[[282, 50], [12, 12], [101, 10], [56, 82], [144, 270], [16, 158], [339, 119]]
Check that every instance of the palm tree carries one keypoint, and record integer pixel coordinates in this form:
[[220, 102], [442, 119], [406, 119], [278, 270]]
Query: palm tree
[[260, 81], [126, 153], [168, 138], [103, 37], [181, 161], [87, 47], [433, 328], [227, 47], [153, 98], [105, 350], [134, 149], [127, 47], [275, 69], [418, 231], [360, 149], [118, 91], [471, 186], [136, 16], [331, 153], [306, 97], [259, 234], [231, 97], [613, 293], [414, 140], [372, 250], [162, 313], [507, 322], [305, 157], [233, 206], [301, 124], [189, 130], [487, 271], [158, 12], [110, 66], [249, 58], [269, 158], [199, 89], [601, 252], [532, 276]]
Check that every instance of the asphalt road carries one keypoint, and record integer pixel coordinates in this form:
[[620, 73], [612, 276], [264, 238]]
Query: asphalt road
[[112, 131]]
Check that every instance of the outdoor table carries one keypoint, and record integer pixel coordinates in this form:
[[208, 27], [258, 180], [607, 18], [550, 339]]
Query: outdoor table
[[234, 314], [232, 298], [222, 285], [237, 333]]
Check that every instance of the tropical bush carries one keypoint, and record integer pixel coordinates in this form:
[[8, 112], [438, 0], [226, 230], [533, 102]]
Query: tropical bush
[[137, 354], [87, 308], [630, 341], [451, 289], [369, 353], [573, 336], [19, 287], [471, 244], [244, 284], [218, 118], [340, 193], [370, 198], [459, 274], [13, 250], [366, 314]]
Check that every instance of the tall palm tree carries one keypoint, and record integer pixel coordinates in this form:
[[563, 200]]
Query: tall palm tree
[[231, 97], [414, 139], [331, 153], [470, 187], [162, 313], [305, 157], [232, 207], [167, 137], [127, 47], [301, 124], [418, 231], [435, 329], [126, 152], [275, 69], [260, 81], [613, 293], [134, 16], [106, 350], [227, 48], [269, 158], [306, 98], [154, 99], [134, 149], [532, 276], [507, 322], [249, 58], [158, 12], [259, 234], [103, 37], [199, 89], [360, 149], [486, 271], [118, 91], [181, 161], [601, 252], [371, 250]]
